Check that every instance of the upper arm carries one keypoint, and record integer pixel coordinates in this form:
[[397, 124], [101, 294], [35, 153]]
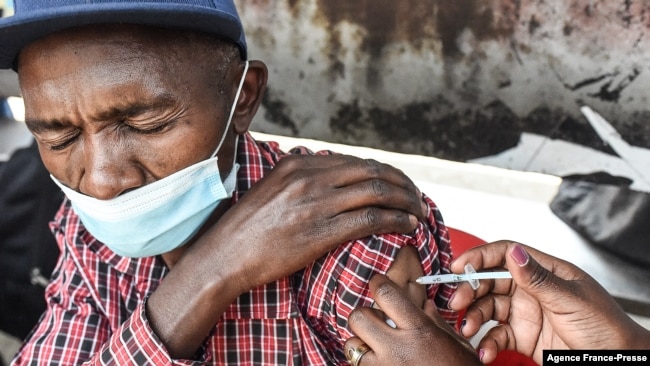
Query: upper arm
[[337, 283], [404, 270]]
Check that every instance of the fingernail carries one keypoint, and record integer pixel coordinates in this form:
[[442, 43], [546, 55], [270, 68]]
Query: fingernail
[[519, 255], [413, 220], [451, 298], [425, 208], [481, 353]]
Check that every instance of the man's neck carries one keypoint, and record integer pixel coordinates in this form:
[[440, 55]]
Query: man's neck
[[171, 258]]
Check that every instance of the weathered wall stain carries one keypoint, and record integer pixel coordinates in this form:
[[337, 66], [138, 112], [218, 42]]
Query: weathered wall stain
[[454, 79], [610, 88], [383, 22], [612, 93], [387, 21], [457, 135], [485, 19], [415, 22], [418, 128], [277, 111]]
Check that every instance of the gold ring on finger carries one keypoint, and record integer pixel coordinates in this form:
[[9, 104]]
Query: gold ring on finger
[[355, 354]]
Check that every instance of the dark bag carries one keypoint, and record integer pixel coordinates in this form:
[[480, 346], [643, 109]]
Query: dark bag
[[612, 217], [28, 251]]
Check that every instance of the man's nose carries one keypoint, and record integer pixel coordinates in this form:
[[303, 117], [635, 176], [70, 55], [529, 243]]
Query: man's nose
[[107, 174]]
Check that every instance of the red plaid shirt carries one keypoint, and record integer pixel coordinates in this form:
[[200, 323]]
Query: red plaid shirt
[[96, 312]]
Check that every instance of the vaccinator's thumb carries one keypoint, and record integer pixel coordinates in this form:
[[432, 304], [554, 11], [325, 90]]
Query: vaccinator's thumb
[[533, 278]]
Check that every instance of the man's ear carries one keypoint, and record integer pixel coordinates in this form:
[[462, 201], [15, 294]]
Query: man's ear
[[251, 96]]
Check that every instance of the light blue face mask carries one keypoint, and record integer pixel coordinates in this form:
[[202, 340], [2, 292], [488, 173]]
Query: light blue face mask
[[162, 216]]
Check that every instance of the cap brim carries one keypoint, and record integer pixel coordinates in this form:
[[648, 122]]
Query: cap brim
[[18, 31]]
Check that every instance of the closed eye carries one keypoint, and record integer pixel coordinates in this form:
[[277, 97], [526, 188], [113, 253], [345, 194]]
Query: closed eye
[[62, 142], [149, 129]]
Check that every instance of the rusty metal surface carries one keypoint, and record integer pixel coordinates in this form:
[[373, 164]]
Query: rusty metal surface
[[453, 79]]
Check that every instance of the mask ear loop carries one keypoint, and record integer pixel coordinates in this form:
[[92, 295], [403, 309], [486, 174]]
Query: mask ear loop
[[232, 112]]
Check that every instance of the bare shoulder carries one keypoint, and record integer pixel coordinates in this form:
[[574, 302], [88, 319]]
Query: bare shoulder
[[405, 270]]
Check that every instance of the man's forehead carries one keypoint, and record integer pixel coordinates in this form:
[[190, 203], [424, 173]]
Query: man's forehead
[[116, 34], [112, 43]]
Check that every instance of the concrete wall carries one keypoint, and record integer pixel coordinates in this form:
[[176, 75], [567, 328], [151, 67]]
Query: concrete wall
[[498, 82], [457, 79]]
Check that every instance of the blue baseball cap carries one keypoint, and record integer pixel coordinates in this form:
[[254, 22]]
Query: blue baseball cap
[[34, 19]]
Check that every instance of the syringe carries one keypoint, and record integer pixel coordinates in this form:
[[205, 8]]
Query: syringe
[[470, 276]]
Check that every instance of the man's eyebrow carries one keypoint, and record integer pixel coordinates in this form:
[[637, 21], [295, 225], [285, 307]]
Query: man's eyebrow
[[133, 109], [40, 125], [119, 112]]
